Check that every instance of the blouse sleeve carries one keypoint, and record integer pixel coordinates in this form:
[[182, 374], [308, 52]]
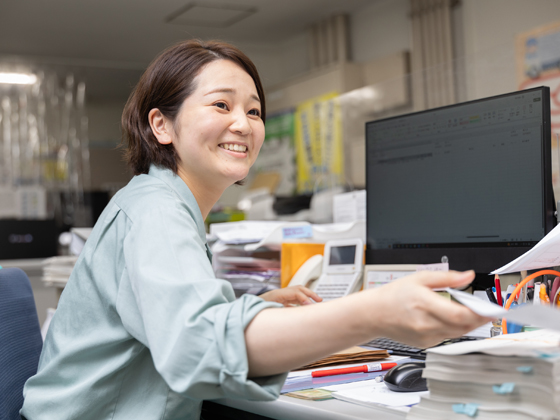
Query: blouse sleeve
[[170, 300]]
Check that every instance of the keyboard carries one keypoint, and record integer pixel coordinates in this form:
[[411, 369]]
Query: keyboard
[[399, 349]]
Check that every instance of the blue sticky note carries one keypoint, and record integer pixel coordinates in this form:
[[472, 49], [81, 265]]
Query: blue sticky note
[[543, 355], [503, 389], [525, 369], [297, 232], [470, 409]]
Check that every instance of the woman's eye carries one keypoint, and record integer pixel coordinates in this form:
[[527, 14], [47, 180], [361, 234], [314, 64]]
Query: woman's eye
[[221, 105], [255, 112]]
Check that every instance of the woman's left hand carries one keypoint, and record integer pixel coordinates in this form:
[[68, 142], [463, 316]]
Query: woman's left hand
[[294, 295]]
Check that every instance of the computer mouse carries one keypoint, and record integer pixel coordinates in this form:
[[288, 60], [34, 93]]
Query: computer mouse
[[406, 377]]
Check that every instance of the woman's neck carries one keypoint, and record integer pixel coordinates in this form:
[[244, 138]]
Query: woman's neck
[[206, 195]]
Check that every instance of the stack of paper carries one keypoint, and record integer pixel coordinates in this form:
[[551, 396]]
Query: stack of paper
[[248, 272], [57, 270], [514, 376], [247, 253]]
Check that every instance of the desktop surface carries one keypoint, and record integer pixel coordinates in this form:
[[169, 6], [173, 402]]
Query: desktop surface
[[289, 408]]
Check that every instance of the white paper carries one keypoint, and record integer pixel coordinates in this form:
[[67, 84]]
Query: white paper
[[530, 343], [243, 232], [538, 316], [545, 254], [378, 393], [349, 207]]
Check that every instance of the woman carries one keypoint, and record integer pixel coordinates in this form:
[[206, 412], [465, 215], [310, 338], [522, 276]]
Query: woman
[[143, 329]]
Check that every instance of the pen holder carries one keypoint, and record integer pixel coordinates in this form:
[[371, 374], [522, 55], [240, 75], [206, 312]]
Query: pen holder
[[511, 327], [518, 288]]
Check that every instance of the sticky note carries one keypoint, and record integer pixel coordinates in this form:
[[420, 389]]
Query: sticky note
[[297, 232], [525, 369], [543, 355], [503, 389], [470, 409]]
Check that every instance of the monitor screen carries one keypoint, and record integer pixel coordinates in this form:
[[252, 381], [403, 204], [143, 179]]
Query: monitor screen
[[342, 255], [470, 183]]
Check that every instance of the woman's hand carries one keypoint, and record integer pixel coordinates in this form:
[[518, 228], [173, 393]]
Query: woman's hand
[[418, 316], [294, 295]]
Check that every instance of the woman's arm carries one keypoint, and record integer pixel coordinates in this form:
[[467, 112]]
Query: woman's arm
[[406, 310]]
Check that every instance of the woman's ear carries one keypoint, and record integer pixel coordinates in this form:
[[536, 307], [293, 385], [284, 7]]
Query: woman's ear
[[160, 126]]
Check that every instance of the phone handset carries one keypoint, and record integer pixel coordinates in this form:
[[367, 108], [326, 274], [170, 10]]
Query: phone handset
[[310, 270]]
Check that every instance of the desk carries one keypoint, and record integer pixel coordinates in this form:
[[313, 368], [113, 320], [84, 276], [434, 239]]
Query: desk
[[289, 408]]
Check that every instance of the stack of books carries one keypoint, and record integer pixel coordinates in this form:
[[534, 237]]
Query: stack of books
[[514, 376]]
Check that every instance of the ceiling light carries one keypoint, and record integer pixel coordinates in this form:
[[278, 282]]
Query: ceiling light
[[210, 15], [18, 78]]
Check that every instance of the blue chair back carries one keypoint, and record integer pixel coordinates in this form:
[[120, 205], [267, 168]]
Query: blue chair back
[[20, 340]]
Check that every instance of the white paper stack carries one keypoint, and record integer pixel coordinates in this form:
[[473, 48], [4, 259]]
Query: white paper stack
[[57, 270], [515, 376]]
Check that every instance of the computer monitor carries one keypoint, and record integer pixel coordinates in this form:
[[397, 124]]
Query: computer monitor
[[469, 183]]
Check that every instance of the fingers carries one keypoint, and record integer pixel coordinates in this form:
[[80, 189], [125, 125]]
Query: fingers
[[302, 295], [310, 294], [440, 279]]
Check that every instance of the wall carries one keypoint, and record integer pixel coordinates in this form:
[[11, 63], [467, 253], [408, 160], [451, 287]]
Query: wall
[[484, 41], [490, 27], [380, 30]]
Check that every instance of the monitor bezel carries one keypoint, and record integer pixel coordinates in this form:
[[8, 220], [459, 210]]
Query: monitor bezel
[[465, 257]]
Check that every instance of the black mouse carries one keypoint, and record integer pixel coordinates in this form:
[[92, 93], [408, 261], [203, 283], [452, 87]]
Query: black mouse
[[406, 378]]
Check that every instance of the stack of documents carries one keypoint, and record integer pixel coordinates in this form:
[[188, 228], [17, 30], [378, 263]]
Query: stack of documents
[[513, 376], [247, 253], [252, 271], [352, 355], [248, 272], [57, 270]]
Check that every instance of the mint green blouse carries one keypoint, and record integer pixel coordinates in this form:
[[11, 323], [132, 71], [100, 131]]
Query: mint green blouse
[[143, 329]]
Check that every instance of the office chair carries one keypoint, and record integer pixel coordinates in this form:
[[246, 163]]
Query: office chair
[[20, 340]]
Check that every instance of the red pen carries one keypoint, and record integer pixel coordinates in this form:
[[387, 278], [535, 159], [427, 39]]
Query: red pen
[[498, 290], [371, 367]]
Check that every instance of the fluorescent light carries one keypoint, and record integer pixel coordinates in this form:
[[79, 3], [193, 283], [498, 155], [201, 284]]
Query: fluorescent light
[[18, 78]]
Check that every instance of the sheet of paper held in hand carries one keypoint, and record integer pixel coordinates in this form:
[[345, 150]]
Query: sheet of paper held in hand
[[545, 254], [535, 315]]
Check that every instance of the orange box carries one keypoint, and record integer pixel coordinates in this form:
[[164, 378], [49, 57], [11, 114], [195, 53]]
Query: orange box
[[292, 257]]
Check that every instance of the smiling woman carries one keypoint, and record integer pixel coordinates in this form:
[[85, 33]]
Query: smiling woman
[[217, 133], [143, 329]]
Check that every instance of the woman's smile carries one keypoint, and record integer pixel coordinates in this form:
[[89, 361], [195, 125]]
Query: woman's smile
[[237, 149]]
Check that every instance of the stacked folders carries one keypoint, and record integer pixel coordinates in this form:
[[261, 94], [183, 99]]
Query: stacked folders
[[514, 376]]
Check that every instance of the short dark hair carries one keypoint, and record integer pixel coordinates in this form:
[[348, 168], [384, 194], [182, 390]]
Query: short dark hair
[[165, 84]]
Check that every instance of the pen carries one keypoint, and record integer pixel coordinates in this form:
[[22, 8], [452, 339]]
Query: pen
[[498, 290], [491, 296], [370, 367]]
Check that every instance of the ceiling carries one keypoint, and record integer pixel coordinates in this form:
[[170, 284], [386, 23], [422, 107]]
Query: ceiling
[[110, 42]]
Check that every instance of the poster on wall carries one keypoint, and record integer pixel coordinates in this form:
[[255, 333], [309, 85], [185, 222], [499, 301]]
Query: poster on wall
[[277, 155], [538, 64], [318, 144]]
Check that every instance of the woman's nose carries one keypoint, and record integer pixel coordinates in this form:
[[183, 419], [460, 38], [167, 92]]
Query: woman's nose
[[241, 123]]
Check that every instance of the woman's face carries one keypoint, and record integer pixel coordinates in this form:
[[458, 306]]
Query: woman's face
[[219, 131]]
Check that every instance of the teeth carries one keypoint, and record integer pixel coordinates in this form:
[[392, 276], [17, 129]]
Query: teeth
[[234, 147]]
